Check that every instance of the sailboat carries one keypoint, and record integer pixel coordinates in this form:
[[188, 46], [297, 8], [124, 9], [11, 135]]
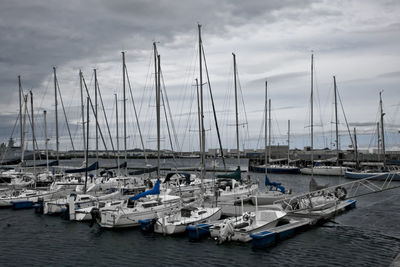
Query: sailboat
[[143, 206], [383, 174], [14, 196], [149, 204], [231, 186], [320, 169], [177, 222], [25, 198], [273, 168], [275, 191]]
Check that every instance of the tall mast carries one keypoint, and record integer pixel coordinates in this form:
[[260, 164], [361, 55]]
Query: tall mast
[[46, 140], [336, 122], [116, 119], [156, 87], [213, 107], [158, 106], [382, 130], [355, 147], [23, 128], [56, 111], [266, 126], [288, 141], [312, 114], [379, 140], [269, 130], [83, 114], [123, 95], [203, 135], [236, 110], [33, 137], [95, 115], [87, 144], [198, 111], [20, 111]]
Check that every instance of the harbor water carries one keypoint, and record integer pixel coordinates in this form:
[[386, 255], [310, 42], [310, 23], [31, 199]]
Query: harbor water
[[366, 236]]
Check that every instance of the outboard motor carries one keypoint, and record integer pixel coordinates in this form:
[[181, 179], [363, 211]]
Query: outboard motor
[[225, 233]]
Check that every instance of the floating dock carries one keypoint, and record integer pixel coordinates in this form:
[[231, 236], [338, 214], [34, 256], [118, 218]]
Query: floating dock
[[298, 222], [279, 233], [293, 223]]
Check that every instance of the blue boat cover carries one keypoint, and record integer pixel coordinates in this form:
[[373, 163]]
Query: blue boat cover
[[154, 191], [273, 186], [92, 167]]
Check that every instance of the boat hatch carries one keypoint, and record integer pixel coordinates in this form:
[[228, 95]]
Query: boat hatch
[[202, 212], [148, 205]]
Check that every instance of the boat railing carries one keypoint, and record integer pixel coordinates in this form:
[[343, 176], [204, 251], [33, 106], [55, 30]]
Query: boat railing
[[343, 191]]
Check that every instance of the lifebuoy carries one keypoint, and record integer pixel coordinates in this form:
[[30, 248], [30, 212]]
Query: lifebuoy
[[340, 192]]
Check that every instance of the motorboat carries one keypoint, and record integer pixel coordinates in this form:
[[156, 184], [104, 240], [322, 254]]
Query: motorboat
[[177, 222], [250, 222]]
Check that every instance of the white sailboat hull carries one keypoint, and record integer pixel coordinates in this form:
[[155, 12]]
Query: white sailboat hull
[[325, 170], [236, 193], [267, 197], [127, 217], [6, 201]]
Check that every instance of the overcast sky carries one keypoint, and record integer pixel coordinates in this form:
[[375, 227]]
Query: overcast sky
[[357, 41]]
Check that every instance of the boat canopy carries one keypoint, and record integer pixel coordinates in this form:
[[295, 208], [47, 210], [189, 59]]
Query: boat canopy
[[92, 167], [154, 191], [52, 163], [180, 175], [121, 166], [234, 175], [143, 171]]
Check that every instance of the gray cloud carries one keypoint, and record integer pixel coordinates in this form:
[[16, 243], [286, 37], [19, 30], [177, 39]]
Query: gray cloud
[[272, 39], [283, 77]]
